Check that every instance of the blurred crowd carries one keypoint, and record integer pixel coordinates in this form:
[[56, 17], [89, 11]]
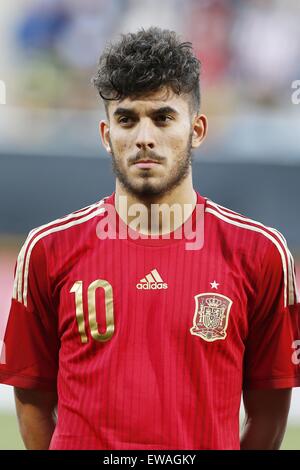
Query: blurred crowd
[[250, 49]]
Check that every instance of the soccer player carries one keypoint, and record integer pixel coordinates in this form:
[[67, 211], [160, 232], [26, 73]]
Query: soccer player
[[144, 332]]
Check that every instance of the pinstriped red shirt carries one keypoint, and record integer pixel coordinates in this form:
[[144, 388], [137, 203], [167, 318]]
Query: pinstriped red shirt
[[150, 344]]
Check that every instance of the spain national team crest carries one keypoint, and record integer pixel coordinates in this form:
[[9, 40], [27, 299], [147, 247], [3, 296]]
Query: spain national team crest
[[211, 316]]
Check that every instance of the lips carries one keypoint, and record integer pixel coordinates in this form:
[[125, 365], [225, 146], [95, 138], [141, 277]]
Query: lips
[[146, 163]]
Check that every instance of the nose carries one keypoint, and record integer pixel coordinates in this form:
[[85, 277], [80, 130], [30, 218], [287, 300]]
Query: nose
[[145, 137]]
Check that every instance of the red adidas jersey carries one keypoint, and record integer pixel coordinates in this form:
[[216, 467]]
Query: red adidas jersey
[[149, 343]]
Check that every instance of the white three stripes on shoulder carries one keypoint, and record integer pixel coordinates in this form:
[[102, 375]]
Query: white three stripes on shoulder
[[291, 264], [20, 262], [290, 289], [21, 281], [233, 214]]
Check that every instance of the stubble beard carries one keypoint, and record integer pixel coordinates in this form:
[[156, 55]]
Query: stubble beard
[[148, 189]]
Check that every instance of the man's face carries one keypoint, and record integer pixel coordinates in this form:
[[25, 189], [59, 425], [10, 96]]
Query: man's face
[[150, 142]]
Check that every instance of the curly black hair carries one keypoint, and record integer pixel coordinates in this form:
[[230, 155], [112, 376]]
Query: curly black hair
[[144, 62]]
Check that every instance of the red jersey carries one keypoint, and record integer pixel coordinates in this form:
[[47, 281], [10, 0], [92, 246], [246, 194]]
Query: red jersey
[[150, 344]]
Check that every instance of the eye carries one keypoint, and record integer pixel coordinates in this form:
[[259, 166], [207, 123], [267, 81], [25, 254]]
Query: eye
[[124, 120], [163, 118]]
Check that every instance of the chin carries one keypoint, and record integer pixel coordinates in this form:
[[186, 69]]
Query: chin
[[149, 190]]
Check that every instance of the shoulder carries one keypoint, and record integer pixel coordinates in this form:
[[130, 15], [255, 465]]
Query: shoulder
[[229, 219], [33, 253], [266, 245], [79, 218]]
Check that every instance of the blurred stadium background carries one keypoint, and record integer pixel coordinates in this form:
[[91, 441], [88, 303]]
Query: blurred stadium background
[[51, 160]]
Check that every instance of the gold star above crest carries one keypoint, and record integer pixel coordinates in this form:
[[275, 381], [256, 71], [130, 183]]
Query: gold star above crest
[[214, 285]]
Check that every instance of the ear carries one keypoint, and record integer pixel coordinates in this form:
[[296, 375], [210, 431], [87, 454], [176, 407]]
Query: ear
[[199, 130], [104, 133]]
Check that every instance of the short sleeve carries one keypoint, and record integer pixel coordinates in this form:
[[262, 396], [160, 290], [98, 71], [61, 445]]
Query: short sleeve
[[274, 325], [30, 344]]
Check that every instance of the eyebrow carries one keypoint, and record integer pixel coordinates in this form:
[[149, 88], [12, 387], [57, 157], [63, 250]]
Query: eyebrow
[[130, 112]]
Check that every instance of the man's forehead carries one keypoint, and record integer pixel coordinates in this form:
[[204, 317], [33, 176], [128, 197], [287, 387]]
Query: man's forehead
[[151, 101]]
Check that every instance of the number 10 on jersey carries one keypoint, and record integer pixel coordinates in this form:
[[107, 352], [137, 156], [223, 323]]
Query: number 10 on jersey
[[77, 289]]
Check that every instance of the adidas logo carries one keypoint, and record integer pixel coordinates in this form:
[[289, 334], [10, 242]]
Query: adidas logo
[[152, 281]]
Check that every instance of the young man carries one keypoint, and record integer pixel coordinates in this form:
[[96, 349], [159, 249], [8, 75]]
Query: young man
[[146, 334]]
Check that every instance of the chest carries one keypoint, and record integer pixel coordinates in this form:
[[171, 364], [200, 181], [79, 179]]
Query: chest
[[125, 291]]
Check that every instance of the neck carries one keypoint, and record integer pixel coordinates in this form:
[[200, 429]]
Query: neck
[[156, 215]]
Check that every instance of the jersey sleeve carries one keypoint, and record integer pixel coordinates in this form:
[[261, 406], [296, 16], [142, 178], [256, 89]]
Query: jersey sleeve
[[30, 345], [270, 359]]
